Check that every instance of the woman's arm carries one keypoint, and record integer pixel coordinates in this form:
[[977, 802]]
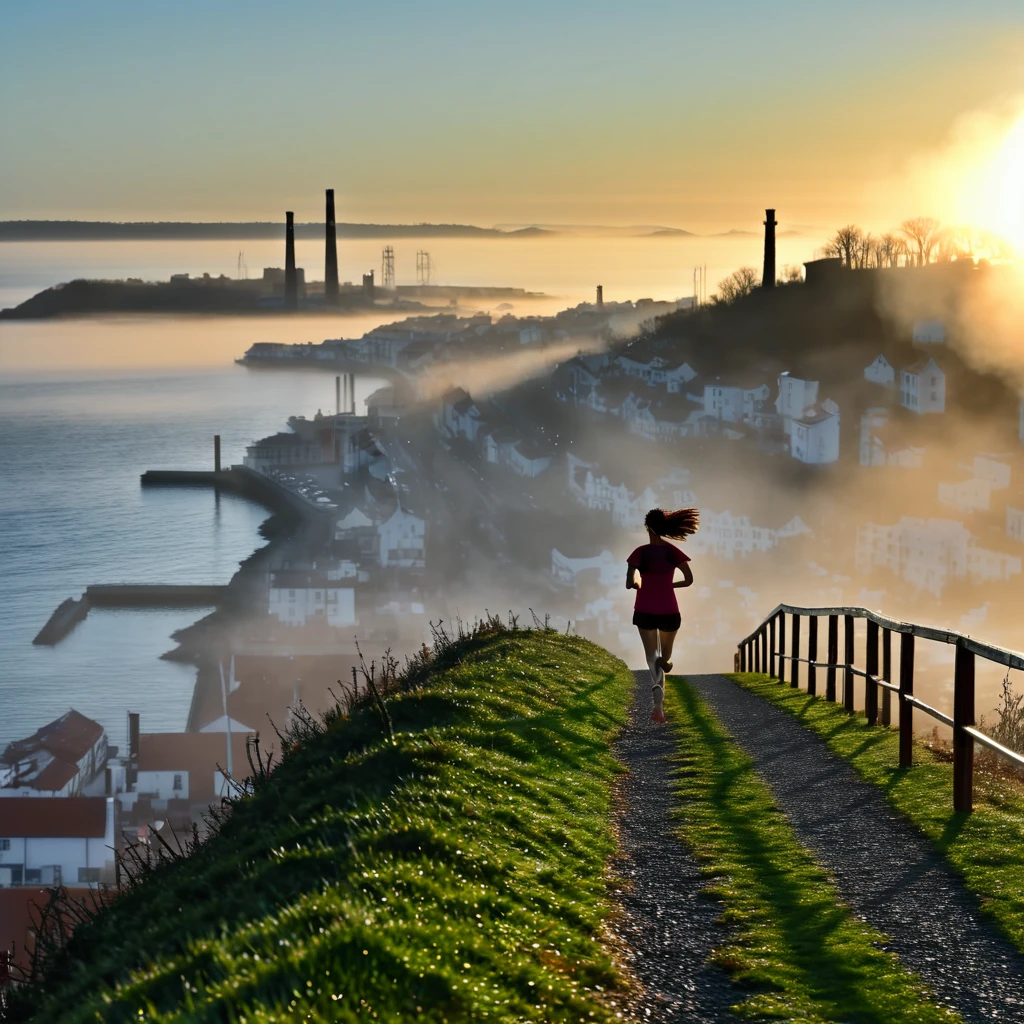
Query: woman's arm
[[687, 580], [631, 583]]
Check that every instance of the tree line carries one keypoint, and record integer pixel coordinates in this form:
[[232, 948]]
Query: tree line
[[915, 243]]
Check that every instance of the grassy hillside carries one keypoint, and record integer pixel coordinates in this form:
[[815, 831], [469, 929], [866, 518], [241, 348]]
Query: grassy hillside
[[455, 873]]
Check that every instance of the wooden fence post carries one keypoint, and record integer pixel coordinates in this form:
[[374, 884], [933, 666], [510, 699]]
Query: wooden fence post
[[782, 647], [763, 667], [887, 676], [963, 743], [871, 667], [833, 658], [794, 677], [848, 675], [906, 708], [812, 655], [741, 658], [771, 647]]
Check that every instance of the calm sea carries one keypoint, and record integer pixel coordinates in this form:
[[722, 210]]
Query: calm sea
[[86, 406]]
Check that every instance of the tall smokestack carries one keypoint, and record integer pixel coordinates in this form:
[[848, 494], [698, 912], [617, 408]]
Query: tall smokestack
[[291, 283], [331, 255], [768, 281], [600, 296]]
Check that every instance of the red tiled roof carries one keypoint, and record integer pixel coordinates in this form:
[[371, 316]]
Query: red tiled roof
[[55, 776], [197, 753], [53, 817], [69, 738]]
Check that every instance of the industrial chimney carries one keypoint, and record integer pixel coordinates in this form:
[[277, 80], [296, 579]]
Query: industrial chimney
[[600, 296], [291, 283], [768, 281], [331, 255]]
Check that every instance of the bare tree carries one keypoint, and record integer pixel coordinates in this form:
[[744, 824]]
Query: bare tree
[[791, 274], [739, 283], [921, 234], [846, 245], [889, 250]]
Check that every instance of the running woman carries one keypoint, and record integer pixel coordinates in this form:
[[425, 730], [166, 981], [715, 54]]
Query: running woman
[[656, 612]]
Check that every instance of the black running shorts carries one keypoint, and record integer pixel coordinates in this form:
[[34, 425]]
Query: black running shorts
[[666, 623]]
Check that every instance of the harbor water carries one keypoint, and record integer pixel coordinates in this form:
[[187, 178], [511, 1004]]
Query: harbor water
[[72, 513]]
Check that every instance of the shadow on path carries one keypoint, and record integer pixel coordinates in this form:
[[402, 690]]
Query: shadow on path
[[667, 926], [883, 867]]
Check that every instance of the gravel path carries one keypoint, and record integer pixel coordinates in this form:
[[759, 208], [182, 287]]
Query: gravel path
[[885, 870], [667, 929]]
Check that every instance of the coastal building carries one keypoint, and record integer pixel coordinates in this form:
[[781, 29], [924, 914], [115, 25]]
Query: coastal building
[[724, 402], [601, 568], [527, 458], [58, 760], [186, 768], [306, 597], [53, 841], [881, 371], [729, 537], [796, 396], [281, 450], [655, 370], [814, 436], [923, 387], [929, 554], [929, 332], [402, 541]]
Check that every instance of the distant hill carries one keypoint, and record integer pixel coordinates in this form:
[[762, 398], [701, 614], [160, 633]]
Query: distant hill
[[92, 231], [668, 232]]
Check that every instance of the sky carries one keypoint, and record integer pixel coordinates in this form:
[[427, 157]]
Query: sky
[[695, 116]]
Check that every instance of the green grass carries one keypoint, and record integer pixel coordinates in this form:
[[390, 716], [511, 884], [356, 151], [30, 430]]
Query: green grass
[[457, 874], [986, 847], [803, 955]]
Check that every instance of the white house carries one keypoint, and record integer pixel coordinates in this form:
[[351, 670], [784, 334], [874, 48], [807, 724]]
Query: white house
[[59, 759], [929, 332], [460, 415], [993, 468], [604, 566], [923, 387], [52, 841], [754, 401], [403, 541], [814, 437], [930, 553], [300, 597], [1015, 522], [724, 402], [186, 766], [527, 458], [657, 371], [881, 371], [795, 398], [872, 443], [967, 496], [729, 537]]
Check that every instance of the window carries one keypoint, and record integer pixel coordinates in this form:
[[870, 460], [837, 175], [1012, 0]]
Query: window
[[5, 844], [33, 875], [291, 595], [177, 786], [88, 875]]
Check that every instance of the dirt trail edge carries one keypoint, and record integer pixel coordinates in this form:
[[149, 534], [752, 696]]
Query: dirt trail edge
[[884, 868], [667, 928]]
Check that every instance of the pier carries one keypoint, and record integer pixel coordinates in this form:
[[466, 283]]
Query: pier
[[70, 612]]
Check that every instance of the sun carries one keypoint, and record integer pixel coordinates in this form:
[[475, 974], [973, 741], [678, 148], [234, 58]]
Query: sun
[[996, 191]]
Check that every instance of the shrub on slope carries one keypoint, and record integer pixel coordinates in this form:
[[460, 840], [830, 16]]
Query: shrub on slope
[[456, 873]]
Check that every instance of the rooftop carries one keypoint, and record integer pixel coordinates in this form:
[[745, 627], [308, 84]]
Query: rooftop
[[54, 817], [68, 738]]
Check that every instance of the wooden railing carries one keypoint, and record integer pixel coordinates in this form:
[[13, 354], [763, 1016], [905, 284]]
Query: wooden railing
[[765, 650]]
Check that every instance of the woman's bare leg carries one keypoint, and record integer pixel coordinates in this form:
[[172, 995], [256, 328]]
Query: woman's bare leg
[[666, 639], [649, 637]]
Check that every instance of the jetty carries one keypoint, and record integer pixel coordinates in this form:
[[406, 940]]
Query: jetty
[[70, 612]]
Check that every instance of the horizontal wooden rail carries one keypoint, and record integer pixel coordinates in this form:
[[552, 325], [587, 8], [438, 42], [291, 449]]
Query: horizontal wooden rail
[[758, 652]]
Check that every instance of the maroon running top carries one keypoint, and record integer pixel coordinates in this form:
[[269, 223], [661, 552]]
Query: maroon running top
[[657, 564]]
